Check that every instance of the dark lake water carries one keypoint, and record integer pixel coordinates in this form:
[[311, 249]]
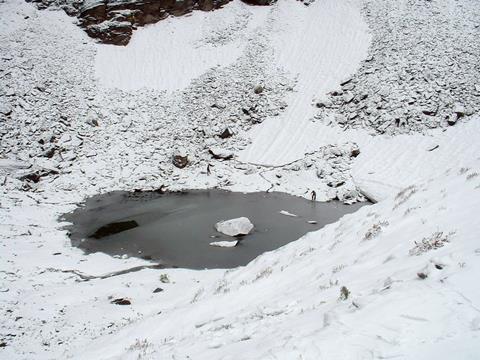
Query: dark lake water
[[175, 229]]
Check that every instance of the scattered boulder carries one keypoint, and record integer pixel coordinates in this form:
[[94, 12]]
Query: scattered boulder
[[258, 89], [340, 119], [430, 111], [111, 32], [121, 301], [91, 120], [335, 183], [422, 275], [235, 227], [459, 110], [355, 151], [114, 228], [346, 81], [226, 133], [218, 153], [157, 290], [348, 194], [323, 103], [180, 161], [347, 98], [35, 174], [49, 152], [5, 109], [452, 119]]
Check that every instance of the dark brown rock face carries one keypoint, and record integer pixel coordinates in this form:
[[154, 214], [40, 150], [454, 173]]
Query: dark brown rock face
[[113, 21], [259, 2]]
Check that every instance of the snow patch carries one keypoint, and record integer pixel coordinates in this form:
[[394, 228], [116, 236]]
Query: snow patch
[[169, 54], [225, 244]]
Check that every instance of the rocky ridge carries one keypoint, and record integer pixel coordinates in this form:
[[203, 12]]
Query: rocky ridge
[[422, 71], [113, 21]]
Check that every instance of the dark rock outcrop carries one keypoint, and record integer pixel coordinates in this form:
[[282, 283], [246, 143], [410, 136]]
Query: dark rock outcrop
[[226, 133], [113, 21], [259, 2], [121, 301]]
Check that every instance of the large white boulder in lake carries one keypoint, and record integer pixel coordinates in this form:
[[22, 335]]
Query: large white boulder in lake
[[235, 227]]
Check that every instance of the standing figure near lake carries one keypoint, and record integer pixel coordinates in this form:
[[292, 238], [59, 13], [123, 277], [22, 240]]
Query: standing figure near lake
[[314, 195]]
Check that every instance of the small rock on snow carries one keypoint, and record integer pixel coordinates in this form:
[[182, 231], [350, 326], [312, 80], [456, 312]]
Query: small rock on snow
[[5, 109], [258, 89], [180, 161], [218, 153], [452, 119], [226, 133], [459, 109], [121, 301]]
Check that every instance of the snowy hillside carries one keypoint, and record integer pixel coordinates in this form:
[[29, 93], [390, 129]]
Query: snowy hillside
[[354, 99]]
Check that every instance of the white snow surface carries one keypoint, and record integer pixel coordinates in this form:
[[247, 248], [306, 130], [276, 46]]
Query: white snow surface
[[286, 304], [322, 51], [226, 244], [168, 55]]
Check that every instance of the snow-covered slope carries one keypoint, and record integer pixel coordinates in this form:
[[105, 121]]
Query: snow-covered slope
[[168, 56], [390, 164], [288, 303], [322, 51], [396, 279]]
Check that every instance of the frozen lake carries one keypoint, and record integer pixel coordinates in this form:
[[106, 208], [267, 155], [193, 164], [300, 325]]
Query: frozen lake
[[176, 228]]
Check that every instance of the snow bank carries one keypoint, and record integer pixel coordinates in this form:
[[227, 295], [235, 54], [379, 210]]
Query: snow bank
[[169, 54], [388, 164], [321, 45]]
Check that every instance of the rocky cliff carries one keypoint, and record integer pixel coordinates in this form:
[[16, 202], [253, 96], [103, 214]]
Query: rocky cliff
[[113, 21]]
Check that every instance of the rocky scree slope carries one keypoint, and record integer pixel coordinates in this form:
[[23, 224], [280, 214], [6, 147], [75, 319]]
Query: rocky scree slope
[[422, 71], [61, 131]]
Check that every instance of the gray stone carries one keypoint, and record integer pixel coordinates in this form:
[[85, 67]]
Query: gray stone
[[258, 89]]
